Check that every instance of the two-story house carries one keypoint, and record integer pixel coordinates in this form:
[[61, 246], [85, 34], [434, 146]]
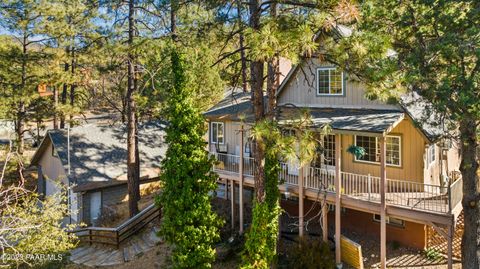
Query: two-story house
[[406, 183]]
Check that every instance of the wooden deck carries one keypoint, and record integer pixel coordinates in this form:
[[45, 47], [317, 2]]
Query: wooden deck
[[417, 202]]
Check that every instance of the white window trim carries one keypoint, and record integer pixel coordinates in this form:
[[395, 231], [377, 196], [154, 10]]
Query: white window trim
[[387, 220], [211, 132], [329, 84], [377, 150], [429, 160]]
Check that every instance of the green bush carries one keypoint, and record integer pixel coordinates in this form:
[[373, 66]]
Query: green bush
[[432, 254], [311, 254], [189, 223]]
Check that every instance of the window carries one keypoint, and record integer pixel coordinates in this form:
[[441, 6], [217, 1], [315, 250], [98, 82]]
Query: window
[[390, 220], [372, 149], [431, 154], [217, 132], [329, 150], [329, 81]]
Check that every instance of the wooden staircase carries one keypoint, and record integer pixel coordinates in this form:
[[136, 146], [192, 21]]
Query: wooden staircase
[[102, 255]]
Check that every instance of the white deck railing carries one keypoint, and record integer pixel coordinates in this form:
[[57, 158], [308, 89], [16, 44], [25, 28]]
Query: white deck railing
[[403, 193]]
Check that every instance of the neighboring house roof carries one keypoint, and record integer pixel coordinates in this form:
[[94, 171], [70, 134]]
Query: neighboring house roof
[[236, 105], [98, 153], [372, 121]]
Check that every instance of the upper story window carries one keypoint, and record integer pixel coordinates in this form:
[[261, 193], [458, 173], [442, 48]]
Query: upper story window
[[329, 81], [372, 149], [431, 154], [218, 130]]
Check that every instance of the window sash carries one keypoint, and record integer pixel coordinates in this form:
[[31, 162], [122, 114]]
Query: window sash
[[390, 220], [329, 150], [218, 130], [329, 81], [431, 154], [372, 148]]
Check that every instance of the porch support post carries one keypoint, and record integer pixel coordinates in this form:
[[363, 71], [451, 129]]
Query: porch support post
[[300, 201], [232, 203], [383, 215], [450, 245], [338, 190], [325, 221], [240, 186], [226, 189]]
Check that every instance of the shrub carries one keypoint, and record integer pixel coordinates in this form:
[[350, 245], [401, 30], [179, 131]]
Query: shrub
[[432, 254], [189, 223], [32, 230], [311, 254]]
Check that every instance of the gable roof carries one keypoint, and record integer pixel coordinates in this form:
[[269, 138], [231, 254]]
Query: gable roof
[[99, 152], [423, 115], [235, 106]]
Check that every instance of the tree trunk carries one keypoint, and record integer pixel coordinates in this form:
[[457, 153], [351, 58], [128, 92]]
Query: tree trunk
[[55, 107], [66, 68], [73, 86], [132, 176], [469, 167], [272, 75], [243, 57], [256, 73]]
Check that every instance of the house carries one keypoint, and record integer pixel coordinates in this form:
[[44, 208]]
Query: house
[[89, 163], [407, 183]]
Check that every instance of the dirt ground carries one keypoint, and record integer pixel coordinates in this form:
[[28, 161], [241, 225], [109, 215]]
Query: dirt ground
[[148, 191], [397, 256]]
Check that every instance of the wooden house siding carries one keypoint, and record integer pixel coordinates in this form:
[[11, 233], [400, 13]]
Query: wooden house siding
[[412, 155], [301, 90], [231, 137]]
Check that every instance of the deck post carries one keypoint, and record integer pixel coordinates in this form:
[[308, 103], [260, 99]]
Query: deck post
[[450, 245], [325, 221], [300, 201], [226, 189], [240, 186], [232, 203], [383, 215], [338, 191]]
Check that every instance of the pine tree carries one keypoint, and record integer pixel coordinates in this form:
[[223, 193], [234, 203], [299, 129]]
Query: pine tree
[[188, 221], [430, 48]]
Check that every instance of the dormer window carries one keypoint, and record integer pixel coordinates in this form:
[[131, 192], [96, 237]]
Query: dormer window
[[329, 81]]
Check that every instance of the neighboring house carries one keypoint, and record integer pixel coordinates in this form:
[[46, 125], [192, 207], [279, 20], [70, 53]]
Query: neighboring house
[[422, 182], [92, 164]]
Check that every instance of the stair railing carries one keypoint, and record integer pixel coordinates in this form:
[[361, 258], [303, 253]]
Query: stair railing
[[115, 236]]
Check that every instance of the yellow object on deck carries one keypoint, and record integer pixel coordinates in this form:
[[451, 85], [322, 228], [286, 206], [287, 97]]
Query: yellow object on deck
[[351, 252]]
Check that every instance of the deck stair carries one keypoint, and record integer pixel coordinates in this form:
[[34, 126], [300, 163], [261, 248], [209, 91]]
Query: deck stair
[[104, 255]]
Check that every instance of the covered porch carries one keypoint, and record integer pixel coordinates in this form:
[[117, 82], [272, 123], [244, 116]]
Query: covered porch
[[414, 200]]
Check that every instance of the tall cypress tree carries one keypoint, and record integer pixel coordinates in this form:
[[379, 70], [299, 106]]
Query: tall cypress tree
[[189, 223]]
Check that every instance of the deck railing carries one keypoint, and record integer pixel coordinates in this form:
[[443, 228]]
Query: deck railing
[[115, 236], [455, 193], [403, 193], [227, 163]]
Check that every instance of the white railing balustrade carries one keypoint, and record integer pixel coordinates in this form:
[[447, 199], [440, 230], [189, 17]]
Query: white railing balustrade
[[409, 194], [320, 179], [227, 162], [288, 174], [248, 166]]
